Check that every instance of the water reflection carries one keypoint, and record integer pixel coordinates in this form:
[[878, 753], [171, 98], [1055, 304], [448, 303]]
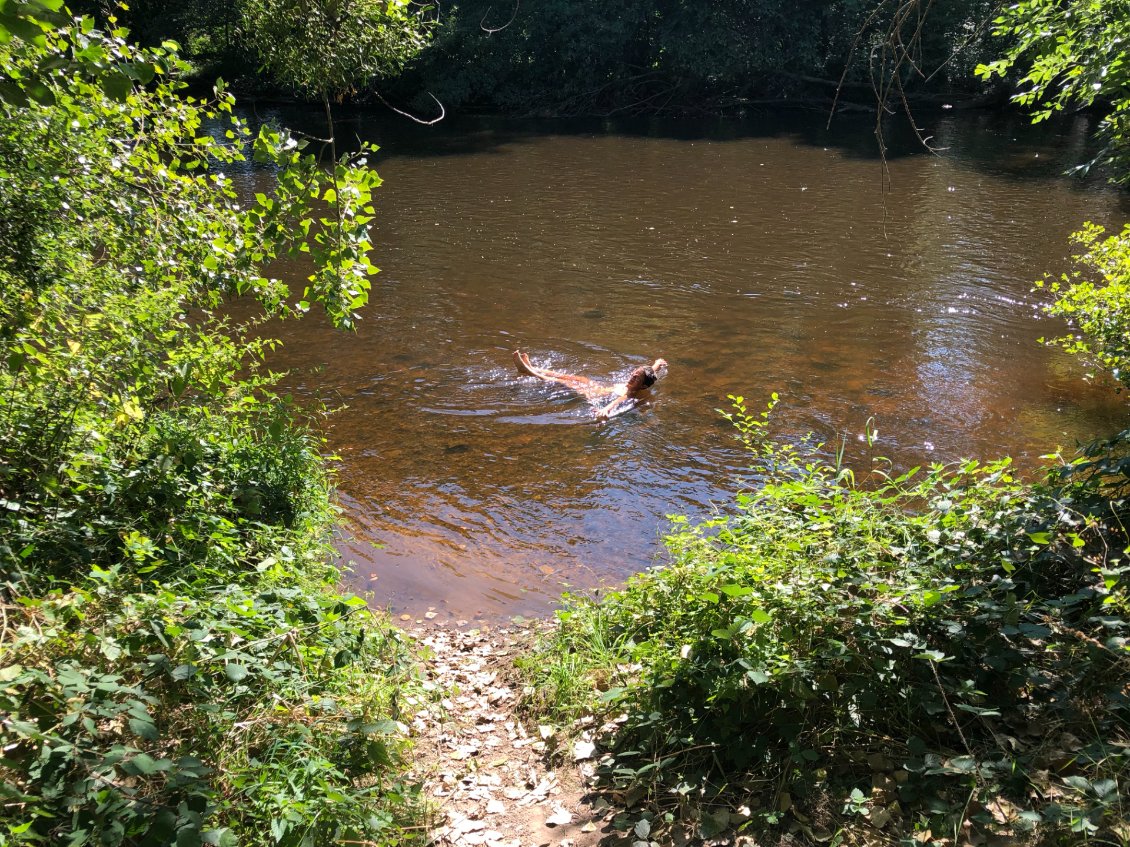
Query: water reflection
[[763, 258]]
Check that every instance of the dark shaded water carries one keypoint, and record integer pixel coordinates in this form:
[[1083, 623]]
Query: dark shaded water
[[755, 257]]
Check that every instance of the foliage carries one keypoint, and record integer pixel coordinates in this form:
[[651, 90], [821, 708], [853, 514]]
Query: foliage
[[331, 49], [158, 159], [334, 47], [941, 647], [576, 56], [177, 665], [210, 706], [305, 47], [210, 32], [1099, 310], [579, 57], [1071, 54]]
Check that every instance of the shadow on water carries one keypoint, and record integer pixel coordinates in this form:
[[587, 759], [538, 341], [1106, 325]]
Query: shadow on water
[[754, 258], [1001, 142]]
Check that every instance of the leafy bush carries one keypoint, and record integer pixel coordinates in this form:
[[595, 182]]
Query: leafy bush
[[1072, 55], [943, 645], [1095, 300], [211, 712], [178, 666]]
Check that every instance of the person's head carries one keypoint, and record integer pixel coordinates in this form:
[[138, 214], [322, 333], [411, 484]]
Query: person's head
[[645, 377]]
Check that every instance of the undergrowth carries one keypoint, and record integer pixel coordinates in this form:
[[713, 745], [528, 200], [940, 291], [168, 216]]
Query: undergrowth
[[176, 663], [178, 666], [937, 656]]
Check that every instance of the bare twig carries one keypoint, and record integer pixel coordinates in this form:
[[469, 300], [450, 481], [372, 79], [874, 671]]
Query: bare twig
[[950, 712], [442, 110], [851, 51], [493, 30]]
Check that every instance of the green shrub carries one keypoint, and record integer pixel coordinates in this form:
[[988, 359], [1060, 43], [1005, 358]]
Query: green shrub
[[938, 632], [1095, 301], [175, 713], [177, 665]]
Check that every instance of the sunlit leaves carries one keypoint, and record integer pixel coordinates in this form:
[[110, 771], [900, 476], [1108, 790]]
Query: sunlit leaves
[[927, 615], [1074, 54], [29, 20], [174, 209], [1071, 54], [334, 47], [171, 623], [295, 216], [1095, 300]]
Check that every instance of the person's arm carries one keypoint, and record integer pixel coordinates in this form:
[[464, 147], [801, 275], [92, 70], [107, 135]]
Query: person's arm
[[621, 404]]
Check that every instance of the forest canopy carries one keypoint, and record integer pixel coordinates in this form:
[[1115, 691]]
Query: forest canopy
[[565, 57]]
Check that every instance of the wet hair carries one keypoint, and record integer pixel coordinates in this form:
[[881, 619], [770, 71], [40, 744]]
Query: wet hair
[[641, 378]]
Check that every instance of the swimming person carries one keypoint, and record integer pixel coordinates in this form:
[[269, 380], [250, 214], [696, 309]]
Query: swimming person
[[625, 393]]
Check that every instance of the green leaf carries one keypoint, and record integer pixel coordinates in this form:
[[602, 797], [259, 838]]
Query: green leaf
[[142, 72], [182, 672], [1105, 789], [39, 92], [1079, 783], [12, 94], [222, 837], [145, 765], [23, 29], [236, 672], [116, 85], [193, 766], [385, 727], [144, 728], [932, 656], [977, 710], [736, 590]]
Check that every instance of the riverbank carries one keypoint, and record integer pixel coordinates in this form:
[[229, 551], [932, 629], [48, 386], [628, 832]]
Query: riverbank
[[496, 777], [492, 779], [935, 657]]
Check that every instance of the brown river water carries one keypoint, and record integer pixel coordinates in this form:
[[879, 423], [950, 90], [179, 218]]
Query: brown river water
[[755, 256]]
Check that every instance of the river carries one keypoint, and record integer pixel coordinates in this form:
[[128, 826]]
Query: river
[[756, 256]]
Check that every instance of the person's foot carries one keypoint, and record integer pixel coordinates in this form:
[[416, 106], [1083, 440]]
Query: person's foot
[[522, 360]]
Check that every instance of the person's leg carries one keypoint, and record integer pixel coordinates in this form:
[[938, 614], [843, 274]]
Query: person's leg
[[581, 384], [524, 364]]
